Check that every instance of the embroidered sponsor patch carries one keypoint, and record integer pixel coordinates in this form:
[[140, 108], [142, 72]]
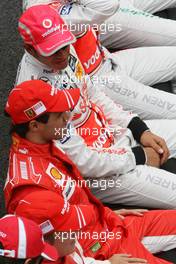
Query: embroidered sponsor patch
[[66, 207], [63, 81], [35, 110], [136, 12], [95, 247], [72, 62], [55, 174], [69, 189], [46, 227], [47, 71], [23, 170], [15, 142], [79, 71], [121, 151], [66, 9]]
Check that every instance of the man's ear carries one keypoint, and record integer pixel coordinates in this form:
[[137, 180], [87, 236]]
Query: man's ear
[[30, 49], [34, 125]]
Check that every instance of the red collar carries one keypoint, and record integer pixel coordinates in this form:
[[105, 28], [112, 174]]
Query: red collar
[[24, 146]]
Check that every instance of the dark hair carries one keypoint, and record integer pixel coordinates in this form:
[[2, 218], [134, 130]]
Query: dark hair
[[5, 260], [23, 128]]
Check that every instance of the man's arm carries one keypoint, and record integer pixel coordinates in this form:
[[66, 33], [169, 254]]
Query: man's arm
[[74, 216], [94, 163]]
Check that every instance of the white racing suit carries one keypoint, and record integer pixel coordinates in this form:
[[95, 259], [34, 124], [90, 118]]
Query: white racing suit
[[139, 27], [127, 74], [111, 154], [152, 6], [125, 27]]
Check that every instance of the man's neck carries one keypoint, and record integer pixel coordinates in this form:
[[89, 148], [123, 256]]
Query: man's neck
[[36, 139]]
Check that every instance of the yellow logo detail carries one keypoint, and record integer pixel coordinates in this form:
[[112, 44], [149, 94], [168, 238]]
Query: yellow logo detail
[[79, 71], [55, 174]]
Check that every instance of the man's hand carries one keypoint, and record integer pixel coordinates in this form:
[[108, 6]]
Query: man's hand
[[151, 140], [125, 259], [124, 212], [153, 158]]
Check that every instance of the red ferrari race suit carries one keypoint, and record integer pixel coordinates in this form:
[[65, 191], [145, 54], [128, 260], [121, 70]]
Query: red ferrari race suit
[[33, 166], [77, 257]]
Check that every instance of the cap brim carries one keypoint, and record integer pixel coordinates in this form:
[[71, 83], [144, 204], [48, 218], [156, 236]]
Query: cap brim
[[49, 252], [66, 100], [57, 41]]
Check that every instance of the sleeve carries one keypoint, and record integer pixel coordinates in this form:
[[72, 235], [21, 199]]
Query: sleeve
[[93, 163], [28, 3], [26, 71], [115, 114], [90, 13], [76, 217], [71, 216]]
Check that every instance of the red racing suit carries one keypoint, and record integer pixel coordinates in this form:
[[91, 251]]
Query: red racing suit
[[77, 257], [46, 166], [34, 166]]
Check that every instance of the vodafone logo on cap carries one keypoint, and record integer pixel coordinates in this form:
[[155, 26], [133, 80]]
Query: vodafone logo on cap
[[2, 234], [47, 23]]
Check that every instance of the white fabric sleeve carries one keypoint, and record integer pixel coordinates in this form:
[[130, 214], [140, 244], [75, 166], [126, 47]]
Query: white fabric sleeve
[[91, 12], [28, 3], [93, 163], [114, 113]]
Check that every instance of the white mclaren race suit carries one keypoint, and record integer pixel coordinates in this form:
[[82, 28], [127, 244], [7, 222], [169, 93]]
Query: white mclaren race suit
[[127, 74], [154, 6], [139, 27], [125, 27], [106, 149]]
